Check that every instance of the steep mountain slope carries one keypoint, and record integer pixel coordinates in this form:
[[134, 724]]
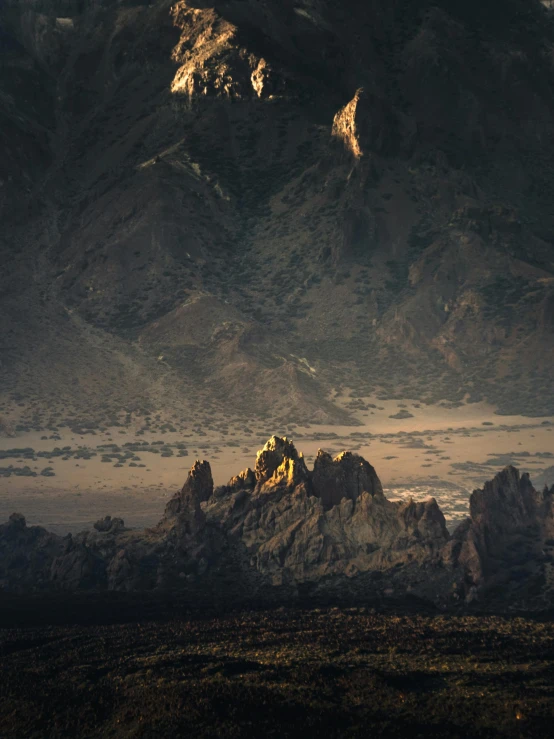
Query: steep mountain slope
[[212, 204]]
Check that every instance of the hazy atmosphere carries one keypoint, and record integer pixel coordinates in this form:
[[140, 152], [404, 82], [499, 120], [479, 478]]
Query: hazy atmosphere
[[277, 349]]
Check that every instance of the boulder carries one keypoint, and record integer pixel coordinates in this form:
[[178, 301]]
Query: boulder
[[109, 525]]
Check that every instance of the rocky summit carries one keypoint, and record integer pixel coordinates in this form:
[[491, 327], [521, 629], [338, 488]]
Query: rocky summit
[[285, 530], [213, 205]]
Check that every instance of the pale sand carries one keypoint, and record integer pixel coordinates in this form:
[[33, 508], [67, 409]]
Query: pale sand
[[82, 491]]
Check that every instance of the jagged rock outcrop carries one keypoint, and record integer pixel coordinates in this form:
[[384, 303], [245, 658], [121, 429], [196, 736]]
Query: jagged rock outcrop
[[245, 480], [299, 526], [505, 542], [212, 62], [198, 488], [329, 529], [26, 553], [110, 556], [347, 476], [278, 463]]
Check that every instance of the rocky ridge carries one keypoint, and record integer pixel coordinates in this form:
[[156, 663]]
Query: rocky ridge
[[330, 530]]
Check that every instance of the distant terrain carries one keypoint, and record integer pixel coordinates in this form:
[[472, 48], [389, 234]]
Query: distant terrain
[[246, 210], [65, 477], [329, 224], [282, 530]]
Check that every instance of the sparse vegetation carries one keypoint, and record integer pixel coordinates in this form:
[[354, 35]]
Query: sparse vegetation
[[285, 672]]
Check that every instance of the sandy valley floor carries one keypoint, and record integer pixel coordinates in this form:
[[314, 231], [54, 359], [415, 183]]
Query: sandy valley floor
[[429, 450]]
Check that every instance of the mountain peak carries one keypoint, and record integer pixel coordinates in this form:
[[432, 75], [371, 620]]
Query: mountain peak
[[279, 461], [315, 529], [316, 169], [198, 488], [347, 476]]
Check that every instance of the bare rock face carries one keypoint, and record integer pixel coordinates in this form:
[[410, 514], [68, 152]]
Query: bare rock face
[[508, 541], [278, 463], [346, 476], [212, 62], [80, 567], [198, 488], [304, 543], [299, 526], [245, 480], [330, 529], [507, 502]]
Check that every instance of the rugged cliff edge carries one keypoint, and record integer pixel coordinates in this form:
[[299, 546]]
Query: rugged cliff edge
[[328, 530]]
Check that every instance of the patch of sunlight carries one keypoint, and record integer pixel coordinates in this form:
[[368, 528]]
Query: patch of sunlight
[[304, 14], [303, 361], [219, 191], [65, 24], [344, 126]]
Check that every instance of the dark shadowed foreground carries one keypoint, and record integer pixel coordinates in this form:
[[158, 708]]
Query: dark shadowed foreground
[[286, 672], [223, 620]]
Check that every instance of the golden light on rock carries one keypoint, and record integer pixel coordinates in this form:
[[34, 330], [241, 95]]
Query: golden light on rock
[[344, 126]]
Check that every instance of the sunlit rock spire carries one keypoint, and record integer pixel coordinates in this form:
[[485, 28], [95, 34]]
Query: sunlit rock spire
[[279, 462]]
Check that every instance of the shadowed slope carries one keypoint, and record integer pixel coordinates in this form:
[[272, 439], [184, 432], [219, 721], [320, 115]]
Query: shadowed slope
[[243, 203]]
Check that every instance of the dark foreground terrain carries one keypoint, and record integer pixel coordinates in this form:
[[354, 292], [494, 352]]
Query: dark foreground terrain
[[286, 672]]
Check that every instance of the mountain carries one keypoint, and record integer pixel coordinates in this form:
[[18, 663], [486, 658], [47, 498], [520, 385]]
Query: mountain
[[283, 531], [212, 205]]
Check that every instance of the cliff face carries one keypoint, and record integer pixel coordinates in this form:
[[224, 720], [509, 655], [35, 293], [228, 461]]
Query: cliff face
[[347, 476], [277, 526], [184, 179], [509, 543], [301, 526]]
